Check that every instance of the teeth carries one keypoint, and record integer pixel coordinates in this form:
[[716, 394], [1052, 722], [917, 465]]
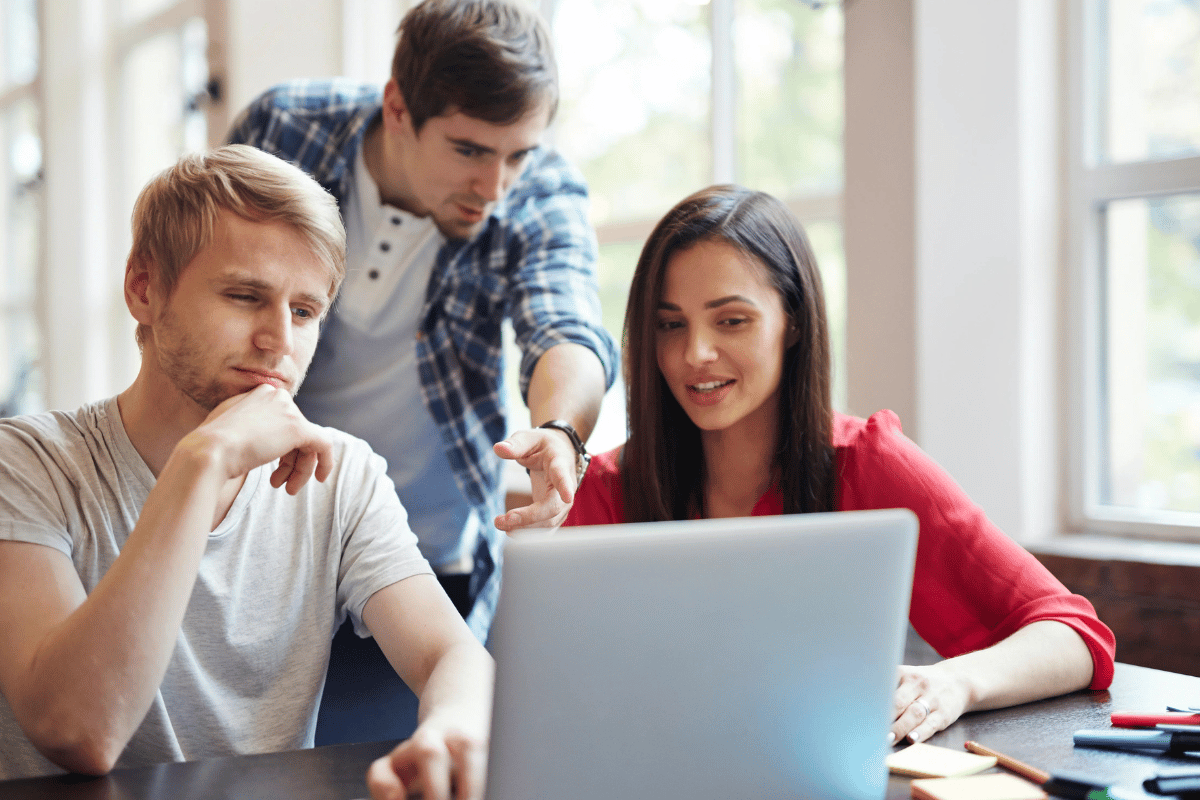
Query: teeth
[[708, 387]]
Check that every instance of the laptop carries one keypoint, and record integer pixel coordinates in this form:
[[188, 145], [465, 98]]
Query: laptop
[[732, 658]]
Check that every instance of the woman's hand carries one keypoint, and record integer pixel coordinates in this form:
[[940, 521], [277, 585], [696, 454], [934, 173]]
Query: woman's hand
[[926, 700], [1042, 659]]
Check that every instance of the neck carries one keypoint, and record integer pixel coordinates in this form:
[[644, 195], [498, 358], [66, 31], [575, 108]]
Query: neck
[[156, 417], [385, 168], [739, 468]]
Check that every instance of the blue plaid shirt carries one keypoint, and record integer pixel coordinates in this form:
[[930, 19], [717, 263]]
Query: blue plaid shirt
[[534, 261]]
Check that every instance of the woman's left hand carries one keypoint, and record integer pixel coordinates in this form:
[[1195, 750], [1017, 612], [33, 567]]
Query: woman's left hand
[[926, 700]]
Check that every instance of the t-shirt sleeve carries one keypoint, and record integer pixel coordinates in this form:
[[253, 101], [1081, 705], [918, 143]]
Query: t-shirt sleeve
[[378, 547], [598, 498], [30, 506], [973, 586]]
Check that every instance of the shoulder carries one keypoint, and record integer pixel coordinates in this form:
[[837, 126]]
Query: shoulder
[[51, 432], [293, 114], [598, 500], [56, 467], [879, 467], [877, 440], [878, 430], [328, 98]]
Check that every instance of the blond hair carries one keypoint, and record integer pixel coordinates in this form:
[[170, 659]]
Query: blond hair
[[176, 214]]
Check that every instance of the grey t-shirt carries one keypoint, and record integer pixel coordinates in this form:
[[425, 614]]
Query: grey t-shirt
[[278, 577]]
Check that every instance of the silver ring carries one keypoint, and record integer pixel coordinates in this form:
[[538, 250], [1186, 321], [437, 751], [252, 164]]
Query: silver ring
[[924, 707]]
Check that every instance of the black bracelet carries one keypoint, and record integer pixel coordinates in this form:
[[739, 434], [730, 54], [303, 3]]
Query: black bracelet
[[582, 457]]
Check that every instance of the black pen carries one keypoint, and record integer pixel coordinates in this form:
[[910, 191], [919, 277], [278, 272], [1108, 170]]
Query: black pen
[[1176, 782], [1152, 741]]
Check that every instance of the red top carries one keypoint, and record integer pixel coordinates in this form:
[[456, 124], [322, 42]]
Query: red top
[[972, 585]]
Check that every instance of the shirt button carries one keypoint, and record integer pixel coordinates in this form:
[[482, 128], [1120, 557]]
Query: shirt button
[[373, 274], [395, 220], [384, 246]]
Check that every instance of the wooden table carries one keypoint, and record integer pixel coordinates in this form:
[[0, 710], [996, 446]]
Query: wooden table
[[1038, 734]]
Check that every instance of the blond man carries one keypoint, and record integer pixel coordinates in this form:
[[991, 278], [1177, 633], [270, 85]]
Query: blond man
[[175, 560]]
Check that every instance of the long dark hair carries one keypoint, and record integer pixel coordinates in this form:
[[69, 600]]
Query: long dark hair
[[663, 462]]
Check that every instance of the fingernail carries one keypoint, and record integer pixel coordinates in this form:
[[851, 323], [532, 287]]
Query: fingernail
[[891, 737]]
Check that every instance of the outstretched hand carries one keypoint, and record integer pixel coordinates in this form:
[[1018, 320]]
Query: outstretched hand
[[550, 459], [926, 700], [262, 425]]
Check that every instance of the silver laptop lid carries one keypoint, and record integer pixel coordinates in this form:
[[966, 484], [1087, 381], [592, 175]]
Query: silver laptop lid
[[704, 659]]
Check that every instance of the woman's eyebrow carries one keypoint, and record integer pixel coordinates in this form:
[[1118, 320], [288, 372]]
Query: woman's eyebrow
[[720, 301], [733, 298]]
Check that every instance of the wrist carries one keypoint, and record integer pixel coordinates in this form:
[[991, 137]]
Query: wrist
[[582, 457], [200, 452], [964, 680]]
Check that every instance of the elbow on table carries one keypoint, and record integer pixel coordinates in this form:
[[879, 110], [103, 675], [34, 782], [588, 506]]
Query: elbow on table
[[78, 748]]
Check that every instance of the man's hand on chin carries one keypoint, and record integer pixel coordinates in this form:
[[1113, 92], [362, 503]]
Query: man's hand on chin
[[260, 426]]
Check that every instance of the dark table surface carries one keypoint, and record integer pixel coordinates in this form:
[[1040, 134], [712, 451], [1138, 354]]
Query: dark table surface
[[1037, 733]]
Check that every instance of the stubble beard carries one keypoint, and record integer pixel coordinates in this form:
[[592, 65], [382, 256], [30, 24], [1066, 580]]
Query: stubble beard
[[180, 358]]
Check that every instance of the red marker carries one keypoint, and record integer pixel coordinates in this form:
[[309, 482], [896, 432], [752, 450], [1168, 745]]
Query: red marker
[[1137, 719]]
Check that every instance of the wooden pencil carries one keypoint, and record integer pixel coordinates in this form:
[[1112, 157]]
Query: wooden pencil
[[1024, 770]]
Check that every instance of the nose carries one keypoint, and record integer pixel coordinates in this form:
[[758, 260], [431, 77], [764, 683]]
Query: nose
[[494, 180], [700, 349], [273, 332]]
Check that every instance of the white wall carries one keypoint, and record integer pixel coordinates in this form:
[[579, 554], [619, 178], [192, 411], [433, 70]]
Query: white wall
[[270, 41], [955, 328]]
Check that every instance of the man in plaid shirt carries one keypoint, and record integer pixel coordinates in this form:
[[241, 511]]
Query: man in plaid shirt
[[456, 219]]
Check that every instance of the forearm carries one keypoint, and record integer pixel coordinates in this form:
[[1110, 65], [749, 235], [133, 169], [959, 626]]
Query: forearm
[[92, 678], [458, 692], [1042, 659], [567, 384]]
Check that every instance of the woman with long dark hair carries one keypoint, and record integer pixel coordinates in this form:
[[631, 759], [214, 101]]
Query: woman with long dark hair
[[727, 370]]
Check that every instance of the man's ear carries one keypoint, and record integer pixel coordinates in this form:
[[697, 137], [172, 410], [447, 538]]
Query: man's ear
[[396, 118], [138, 291]]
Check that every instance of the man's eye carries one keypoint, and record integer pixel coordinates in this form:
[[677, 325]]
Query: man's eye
[[302, 313], [468, 152], [245, 298]]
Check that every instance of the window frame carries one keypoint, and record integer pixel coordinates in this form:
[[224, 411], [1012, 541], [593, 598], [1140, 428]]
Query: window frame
[[12, 95], [1091, 184]]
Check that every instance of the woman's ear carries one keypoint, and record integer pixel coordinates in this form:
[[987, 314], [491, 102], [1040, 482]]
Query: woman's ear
[[793, 334]]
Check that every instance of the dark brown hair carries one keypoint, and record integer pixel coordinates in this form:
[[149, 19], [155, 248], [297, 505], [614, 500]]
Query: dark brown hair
[[663, 462], [489, 59]]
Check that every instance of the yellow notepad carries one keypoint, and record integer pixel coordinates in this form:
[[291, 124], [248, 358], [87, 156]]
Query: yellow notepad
[[930, 761], [996, 786]]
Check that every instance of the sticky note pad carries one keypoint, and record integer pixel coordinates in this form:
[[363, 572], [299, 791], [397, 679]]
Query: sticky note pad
[[996, 786], [930, 761]]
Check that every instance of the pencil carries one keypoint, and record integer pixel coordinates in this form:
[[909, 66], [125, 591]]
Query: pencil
[[1024, 770]]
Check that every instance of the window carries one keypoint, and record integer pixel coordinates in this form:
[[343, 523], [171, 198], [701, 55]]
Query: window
[[162, 84], [661, 98], [20, 208], [1136, 245], [123, 95]]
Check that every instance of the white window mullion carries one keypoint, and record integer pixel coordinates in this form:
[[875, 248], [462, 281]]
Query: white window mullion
[[724, 92], [1117, 181]]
